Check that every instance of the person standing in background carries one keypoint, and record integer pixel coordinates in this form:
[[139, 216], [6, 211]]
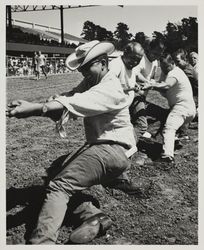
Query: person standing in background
[[34, 63], [41, 62]]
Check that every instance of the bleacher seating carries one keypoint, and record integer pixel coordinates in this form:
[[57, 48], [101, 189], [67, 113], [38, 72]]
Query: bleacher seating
[[31, 36]]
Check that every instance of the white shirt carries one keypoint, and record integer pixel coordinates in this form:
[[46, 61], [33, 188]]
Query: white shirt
[[150, 70], [105, 110], [180, 93], [127, 77], [41, 60], [146, 68]]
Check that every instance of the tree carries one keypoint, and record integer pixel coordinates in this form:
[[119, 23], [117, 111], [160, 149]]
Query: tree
[[140, 37], [102, 34], [121, 35], [173, 37], [189, 30], [109, 36], [95, 32], [183, 35], [88, 31]]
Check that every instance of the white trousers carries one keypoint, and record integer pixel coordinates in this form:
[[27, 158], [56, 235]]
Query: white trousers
[[177, 117]]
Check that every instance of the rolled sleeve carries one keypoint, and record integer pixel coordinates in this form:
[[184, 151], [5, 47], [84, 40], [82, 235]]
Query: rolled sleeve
[[99, 99]]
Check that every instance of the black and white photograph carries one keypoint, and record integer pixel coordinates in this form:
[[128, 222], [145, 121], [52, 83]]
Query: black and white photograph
[[101, 124]]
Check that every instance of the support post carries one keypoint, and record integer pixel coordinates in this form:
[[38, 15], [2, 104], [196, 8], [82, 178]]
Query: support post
[[62, 24], [8, 11]]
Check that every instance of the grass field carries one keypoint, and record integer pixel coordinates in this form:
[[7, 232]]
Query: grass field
[[168, 216]]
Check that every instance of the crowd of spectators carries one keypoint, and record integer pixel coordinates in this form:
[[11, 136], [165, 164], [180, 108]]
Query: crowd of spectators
[[17, 66], [23, 66]]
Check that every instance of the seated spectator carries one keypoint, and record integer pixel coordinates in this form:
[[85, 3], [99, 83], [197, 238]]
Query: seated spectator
[[20, 71], [25, 66], [16, 67], [50, 68], [61, 66], [10, 62], [15, 60], [10, 66], [30, 66]]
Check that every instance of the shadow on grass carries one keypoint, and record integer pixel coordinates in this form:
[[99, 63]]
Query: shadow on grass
[[31, 199], [156, 113], [27, 202], [152, 148]]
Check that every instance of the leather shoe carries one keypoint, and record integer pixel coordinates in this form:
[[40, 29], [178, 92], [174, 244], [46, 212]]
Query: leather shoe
[[91, 228], [165, 162]]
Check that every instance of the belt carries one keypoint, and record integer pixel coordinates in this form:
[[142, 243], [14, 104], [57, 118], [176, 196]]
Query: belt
[[128, 153]]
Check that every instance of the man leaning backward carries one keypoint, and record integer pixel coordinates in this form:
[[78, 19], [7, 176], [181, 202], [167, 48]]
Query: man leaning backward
[[102, 103]]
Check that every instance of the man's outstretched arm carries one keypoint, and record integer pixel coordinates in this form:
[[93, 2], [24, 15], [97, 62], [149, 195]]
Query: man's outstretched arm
[[160, 86], [24, 109]]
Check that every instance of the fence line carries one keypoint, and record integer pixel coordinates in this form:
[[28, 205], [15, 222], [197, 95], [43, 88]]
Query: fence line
[[23, 66]]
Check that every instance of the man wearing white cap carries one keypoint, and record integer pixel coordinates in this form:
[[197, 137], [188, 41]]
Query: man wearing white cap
[[110, 141]]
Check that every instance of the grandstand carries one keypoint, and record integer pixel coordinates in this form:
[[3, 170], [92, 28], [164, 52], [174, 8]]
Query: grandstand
[[22, 42], [26, 40]]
